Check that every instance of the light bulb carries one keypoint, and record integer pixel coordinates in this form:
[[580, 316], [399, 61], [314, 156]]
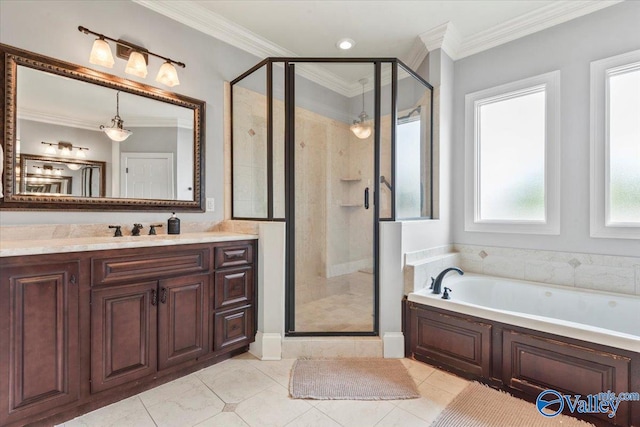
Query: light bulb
[[167, 75], [101, 54], [136, 65]]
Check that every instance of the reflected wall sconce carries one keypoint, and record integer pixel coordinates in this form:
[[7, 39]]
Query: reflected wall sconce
[[48, 170], [65, 149], [138, 58], [116, 132], [360, 128]]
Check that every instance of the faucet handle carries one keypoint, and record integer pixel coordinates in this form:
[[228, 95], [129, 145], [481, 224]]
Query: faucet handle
[[118, 232], [432, 282], [152, 229], [445, 295]]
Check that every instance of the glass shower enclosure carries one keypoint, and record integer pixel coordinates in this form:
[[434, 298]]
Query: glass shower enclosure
[[332, 147]]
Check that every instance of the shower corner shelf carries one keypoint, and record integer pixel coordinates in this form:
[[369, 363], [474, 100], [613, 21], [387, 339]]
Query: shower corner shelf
[[350, 179]]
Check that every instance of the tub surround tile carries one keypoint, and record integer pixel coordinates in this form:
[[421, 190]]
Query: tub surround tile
[[557, 273], [610, 279], [592, 271], [503, 266]]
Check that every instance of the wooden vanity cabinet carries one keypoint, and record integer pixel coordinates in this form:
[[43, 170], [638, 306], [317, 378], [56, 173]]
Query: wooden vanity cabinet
[[82, 330], [39, 340]]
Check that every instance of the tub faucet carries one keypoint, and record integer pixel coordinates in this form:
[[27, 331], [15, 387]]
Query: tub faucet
[[436, 283], [136, 229]]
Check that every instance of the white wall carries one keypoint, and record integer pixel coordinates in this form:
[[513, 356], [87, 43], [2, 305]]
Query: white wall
[[569, 47], [50, 28]]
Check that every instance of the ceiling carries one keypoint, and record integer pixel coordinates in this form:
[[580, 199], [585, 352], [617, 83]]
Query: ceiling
[[407, 30]]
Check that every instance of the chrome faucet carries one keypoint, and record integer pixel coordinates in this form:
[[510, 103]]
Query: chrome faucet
[[436, 283]]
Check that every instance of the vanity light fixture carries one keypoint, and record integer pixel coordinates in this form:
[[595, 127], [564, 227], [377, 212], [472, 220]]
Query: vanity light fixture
[[116, 132], [137, 58], [48, 170], [64, 149], [360, 128]]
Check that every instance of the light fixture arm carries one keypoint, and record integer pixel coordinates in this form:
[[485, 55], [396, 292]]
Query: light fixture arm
[[129, 45]]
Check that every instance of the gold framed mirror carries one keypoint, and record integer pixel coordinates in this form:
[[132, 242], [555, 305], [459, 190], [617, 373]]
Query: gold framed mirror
[[55, 114]]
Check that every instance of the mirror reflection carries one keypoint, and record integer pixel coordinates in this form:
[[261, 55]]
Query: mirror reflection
[[59, 127]]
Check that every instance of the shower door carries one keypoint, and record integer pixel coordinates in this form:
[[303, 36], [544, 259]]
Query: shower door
[[331, 217]]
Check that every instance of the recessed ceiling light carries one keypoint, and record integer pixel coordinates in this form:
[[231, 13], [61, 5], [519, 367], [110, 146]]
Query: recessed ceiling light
[[345, 44]]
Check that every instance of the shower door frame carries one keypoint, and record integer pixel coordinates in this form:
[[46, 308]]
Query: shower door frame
[[289, 127]]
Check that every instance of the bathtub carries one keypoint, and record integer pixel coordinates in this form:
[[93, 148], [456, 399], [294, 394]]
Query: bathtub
[[527, 337], [593, 316]]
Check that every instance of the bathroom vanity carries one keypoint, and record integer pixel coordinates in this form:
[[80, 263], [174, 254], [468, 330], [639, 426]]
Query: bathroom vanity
[[87, 322]]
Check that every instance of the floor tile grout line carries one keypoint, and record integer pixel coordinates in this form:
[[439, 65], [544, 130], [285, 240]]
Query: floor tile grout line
[[146, 409], [246, 398]]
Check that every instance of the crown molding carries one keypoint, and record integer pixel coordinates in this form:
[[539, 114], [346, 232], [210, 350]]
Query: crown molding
[[210, 23], [444, 36], [59, 120], [529, 23]]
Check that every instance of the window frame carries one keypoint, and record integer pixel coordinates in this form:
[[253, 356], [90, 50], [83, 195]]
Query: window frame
[[551, 225], [600, 227]]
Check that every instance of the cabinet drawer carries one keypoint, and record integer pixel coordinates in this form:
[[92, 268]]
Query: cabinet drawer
[[233, 286], [232, 255], [115, 269], [233, 328]]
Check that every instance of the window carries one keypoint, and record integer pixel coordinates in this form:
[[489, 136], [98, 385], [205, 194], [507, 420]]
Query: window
[[615, 146], [512, 154]]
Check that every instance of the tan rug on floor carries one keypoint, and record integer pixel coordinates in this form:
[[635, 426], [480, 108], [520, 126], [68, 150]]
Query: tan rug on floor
[[481, 406], [351, 379]]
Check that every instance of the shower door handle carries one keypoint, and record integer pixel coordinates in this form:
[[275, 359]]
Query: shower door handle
[[366, 198]]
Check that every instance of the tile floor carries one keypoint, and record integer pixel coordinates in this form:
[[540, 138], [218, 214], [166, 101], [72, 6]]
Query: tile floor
[[245, 391], [337, 304]]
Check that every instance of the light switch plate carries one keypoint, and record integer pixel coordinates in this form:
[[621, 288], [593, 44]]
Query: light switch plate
[[211, 205]]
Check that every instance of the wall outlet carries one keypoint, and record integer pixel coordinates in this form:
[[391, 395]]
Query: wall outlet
[[211, 205]]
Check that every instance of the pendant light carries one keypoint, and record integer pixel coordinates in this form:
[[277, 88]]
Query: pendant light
[[116, 132], [360, 128]]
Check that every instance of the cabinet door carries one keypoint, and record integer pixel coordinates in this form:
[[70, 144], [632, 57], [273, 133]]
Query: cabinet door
[[182, 319], [123, 334], [233, 287], [39, 348], [233, 328]]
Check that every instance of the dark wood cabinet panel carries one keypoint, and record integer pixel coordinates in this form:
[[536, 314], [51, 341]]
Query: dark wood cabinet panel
[[119, 268], [233, 328], [533, 364], [458, 342], [123, 334], [182, 319], [40, 352], [233, 286], [79, 331], [233, 254]]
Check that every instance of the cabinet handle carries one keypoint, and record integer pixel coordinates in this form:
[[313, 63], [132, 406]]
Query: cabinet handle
[[163, 295], [73, 279], [154, 297]]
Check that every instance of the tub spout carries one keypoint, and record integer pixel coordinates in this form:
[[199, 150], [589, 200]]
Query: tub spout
[[436, 284]]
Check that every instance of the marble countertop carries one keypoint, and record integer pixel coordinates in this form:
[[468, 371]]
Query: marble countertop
[[83, 244]]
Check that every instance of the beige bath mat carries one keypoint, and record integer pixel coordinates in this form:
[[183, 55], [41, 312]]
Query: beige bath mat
[[481, 406], [351, 379]]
